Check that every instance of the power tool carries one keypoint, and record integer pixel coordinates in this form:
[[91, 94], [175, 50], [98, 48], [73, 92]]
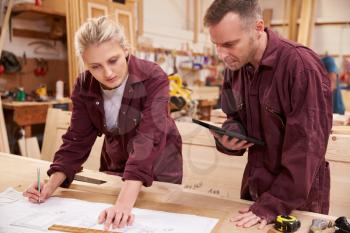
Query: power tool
[[180, 96], [340, 225], [318, 225], [286, 223]]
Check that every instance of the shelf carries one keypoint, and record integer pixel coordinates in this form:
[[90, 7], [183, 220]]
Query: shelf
[[32, 12], [333, 23], [27, 11]]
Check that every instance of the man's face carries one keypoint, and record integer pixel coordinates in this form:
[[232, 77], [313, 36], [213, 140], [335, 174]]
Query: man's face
[[235, 43], [107, 63]]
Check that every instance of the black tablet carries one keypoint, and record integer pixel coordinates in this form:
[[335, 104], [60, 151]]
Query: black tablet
[[232, 134]]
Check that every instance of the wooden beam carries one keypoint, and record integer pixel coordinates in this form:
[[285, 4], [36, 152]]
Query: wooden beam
[[35, 34], [5, 25], [4, 143], [335, 23], [267, 17], [44, 9], [140, 18], [74, 20], [330, 23], [307, 22], [293, 17], [188, 14], [196, 20]]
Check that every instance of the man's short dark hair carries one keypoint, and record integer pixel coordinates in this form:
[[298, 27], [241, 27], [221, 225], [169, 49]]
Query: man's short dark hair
[[248, 10]]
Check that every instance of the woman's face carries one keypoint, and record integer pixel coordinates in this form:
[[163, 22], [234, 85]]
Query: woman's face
[[107, 63]]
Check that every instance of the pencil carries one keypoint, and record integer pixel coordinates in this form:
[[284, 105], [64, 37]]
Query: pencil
[[38, 179]]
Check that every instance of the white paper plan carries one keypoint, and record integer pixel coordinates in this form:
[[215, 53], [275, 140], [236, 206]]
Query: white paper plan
[[18, 215]]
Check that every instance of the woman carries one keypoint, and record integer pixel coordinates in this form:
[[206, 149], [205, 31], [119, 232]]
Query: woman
[[126, 99]]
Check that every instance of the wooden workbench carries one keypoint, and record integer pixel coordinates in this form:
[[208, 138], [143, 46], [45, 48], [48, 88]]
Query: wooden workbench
[[26, 114], [19, 172]]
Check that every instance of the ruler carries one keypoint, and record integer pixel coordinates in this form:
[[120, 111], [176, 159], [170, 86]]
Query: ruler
[[63, 228]]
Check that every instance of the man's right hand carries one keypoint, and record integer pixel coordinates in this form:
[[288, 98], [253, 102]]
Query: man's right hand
[[232, 144], [46, 190]]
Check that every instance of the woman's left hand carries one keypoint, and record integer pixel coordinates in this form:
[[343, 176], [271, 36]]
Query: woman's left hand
[[117, 216], [247, 218]]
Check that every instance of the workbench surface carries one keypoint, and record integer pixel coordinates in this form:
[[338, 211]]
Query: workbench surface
[[19, 172]]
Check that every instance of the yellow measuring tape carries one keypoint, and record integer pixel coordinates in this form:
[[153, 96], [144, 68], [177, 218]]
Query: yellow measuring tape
[[77, 229]]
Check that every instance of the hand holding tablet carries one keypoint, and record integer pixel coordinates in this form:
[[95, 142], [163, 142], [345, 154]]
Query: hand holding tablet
[[221, 131]]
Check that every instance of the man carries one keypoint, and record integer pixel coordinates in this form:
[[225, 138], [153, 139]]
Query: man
[[331, 67], [277, 91]]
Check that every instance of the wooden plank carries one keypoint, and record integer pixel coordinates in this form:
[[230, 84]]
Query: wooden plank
[[71, 229], [293, 17], [74, 20], [338, 148], [196, 21], [193, 134], [4, 143], [205, 93], [341, 130], [57, 123], [140, 18], [43, 9], [179, 201], [307, 22], [346, 98], [34, 34], [29, 147], [267, 17], [5, 25]]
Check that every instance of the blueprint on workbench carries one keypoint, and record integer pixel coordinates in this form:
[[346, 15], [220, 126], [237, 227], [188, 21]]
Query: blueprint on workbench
[[18, 215]]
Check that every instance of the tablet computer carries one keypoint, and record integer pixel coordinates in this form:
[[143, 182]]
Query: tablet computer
[[232, 134]]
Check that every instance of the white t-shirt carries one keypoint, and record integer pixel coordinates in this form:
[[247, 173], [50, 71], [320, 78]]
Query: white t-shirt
[[112, 100]]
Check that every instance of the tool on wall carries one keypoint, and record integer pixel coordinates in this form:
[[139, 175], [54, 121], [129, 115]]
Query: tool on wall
[[45, 48], [41, 67], [10, 62]]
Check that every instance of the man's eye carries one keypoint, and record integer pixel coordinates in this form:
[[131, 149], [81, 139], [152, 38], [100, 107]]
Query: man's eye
[[113, 61]]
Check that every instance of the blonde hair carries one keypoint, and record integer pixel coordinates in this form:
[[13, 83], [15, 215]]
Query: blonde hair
[[96, 31]]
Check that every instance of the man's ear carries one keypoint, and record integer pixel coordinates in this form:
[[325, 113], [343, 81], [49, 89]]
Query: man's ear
[[260, 26]]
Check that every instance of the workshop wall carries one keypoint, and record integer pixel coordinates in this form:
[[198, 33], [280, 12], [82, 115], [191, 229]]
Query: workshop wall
[[28, 51], [331, 38], [169, 24]]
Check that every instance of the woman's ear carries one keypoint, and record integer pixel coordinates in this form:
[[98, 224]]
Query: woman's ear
[[126, 52]]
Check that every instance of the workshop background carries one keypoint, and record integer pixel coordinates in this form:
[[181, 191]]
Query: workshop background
[[38, 69]]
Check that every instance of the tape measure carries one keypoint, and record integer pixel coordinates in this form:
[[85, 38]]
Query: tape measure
[[63, 228], [286, 223]]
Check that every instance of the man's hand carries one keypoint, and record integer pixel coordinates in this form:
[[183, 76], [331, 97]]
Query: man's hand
[[231, 144], [247, 219], [120, 214]]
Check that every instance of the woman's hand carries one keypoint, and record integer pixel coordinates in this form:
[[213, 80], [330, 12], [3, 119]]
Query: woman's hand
[[119, 215], [247, 218], [46, 190], [231, 144]]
